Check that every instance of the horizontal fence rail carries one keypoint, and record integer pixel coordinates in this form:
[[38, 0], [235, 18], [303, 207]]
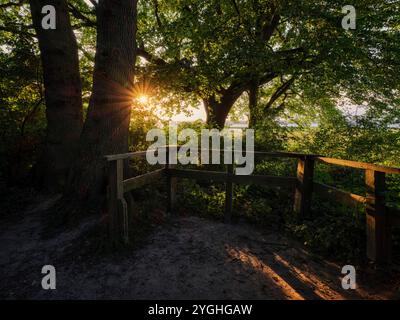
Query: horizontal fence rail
[[142, 180], [359, 165], [379, 217], [329, 193], [216, 176], [276, 154]]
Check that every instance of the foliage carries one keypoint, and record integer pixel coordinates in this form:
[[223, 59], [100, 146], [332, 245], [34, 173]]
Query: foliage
[[22, 105], [22, 118], [334, 231], [208, 48]]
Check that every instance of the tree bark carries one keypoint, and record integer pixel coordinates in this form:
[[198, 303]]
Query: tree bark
[[217, 110], [107, 125], [63, 94]]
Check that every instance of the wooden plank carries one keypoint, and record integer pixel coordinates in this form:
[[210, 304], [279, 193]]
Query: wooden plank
[[112, 201], [123, 156], [283, 154], [123, 219], [360, 165], [304, 187], [276, 154], [267, 153], [171, 195], [378, 223], [329, 193], [116, 204], [272, 153], [120, 178], [271, 181], [140, 181], [132, 207], [229, 194], [171, 186]]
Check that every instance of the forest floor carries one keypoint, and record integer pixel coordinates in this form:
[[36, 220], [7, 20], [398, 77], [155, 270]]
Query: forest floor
[[184, 258]]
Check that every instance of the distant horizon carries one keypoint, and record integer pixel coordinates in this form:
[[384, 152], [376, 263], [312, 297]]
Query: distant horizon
[[350, 111]]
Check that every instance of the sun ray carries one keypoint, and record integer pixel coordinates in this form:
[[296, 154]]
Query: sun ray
[[143, 99]]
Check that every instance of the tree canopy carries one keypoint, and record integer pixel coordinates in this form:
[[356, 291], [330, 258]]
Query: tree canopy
[[218, 49], [274, 60]]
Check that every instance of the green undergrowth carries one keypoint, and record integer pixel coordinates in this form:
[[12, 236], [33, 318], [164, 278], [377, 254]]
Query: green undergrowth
[[332, 230]]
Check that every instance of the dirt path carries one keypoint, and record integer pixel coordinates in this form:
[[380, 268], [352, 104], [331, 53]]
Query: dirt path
[[188, 258]]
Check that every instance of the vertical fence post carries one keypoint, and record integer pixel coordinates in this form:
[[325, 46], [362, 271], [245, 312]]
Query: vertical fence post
[[378, 224], [171, 185], [304, 186], [117, 206], [228, 194], [112, 199]]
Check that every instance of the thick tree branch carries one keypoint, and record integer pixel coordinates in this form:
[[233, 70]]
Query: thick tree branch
[[266, 24], [88, 56], [267, 78], [240, 85], [22, 32], [269, 28], [279, 92], [12, 4], [237, 10], [291, 51], [141, 52], [79, 15], [156, 13]]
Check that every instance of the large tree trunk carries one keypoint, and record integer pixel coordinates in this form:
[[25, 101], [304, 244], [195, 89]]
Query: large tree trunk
[[63, 94], [107, 125], [217, 110]]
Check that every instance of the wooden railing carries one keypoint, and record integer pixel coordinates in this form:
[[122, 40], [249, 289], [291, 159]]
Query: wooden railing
[[379, 217]]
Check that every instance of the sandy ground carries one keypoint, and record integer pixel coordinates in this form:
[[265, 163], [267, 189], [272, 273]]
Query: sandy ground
[[186, 258]]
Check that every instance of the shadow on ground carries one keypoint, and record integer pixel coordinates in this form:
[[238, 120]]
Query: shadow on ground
[[187, 258]]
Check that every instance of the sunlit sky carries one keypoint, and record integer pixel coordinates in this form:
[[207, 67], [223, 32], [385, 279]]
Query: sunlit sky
[[192, 114], [196, 114], [89, 3]]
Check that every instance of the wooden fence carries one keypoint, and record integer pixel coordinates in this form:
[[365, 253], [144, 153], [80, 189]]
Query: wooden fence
[[379, 217]]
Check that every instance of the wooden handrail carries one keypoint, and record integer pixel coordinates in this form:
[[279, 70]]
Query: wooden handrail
[[359, 165], [329, 192], [124, 156], [380, 218], [273, 154], [142, 180], [283, 154], [217, 176]]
